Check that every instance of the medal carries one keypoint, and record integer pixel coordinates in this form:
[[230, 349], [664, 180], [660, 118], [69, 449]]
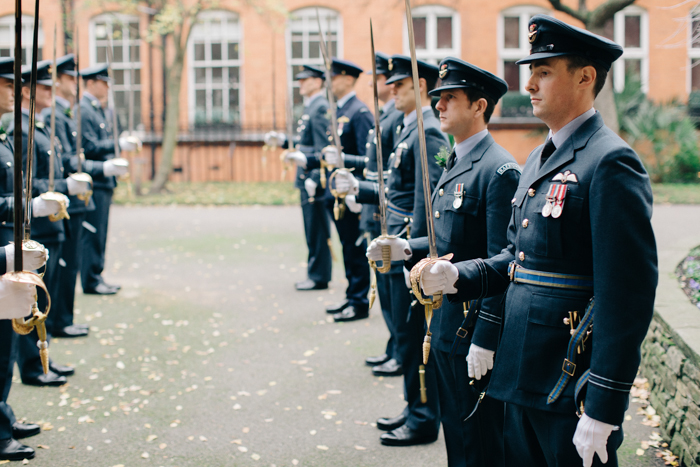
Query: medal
[[459, 189], [547, 208], [559, 201]]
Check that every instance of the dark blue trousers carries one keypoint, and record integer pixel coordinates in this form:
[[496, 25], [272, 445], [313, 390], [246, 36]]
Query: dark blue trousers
[[537, 438], [62, 308], [478, 442], [384, 294], [317, 229], [93, 261], [354, 249], [8, 340], [28, 358], [410, 330]]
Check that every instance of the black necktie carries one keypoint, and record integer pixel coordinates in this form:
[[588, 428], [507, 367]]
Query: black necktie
[[547, 151], [451, 160]]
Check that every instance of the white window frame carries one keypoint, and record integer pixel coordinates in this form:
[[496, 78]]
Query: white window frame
[[226, 34], [693, 53], [304, 20], [639, 53], [524, 12], [27, 35], [126, 65], [431, 53]]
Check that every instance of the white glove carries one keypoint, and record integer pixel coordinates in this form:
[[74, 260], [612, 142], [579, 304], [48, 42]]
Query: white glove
[[274, 139], [16, 299], [31, 259], [591, 437], [331, 155], [77, 187], [297, 157], [310, 187], [115, 167], [440, 277], [479, 361], [42, 207], [407, 277], [400, 249], [352, 204], [130, 143], [345, 182]]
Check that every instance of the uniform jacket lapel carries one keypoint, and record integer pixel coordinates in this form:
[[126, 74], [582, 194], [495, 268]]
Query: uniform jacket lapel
[[467, 162]]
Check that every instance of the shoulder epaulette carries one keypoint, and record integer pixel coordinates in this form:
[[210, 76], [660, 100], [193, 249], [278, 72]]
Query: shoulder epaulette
[[509, 166]]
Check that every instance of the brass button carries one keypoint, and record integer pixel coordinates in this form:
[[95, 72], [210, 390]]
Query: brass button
[[441, 192], [386, 189], [367, 145], [364, 172], [531, 192], [521, 256], [525, 223], [366, 160], [330, 138], [437, 214], [405, 219], [371, 132], [512, 201]]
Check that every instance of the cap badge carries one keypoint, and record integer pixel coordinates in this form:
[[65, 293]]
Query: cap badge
[[391, 64], [532, 35], [443, 71]]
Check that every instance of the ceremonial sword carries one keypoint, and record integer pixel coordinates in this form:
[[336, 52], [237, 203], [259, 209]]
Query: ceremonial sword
[[289, 110], [386, 250], [79, 175], [51, 195], [115, 121], [436, 300], [22, 229]]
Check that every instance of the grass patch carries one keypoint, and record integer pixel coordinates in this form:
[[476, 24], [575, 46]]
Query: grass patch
[[213, 194], [676, 193]]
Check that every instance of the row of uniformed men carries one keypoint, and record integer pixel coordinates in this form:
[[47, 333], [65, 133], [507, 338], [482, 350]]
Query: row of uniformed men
[[67, 250], [539, 288]]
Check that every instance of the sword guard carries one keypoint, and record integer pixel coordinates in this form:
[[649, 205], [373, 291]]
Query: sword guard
[[63, 208]]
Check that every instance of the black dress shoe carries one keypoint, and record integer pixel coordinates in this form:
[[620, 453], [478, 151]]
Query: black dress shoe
[[25, 430], [101, 289], [308, 284], [13, 450], [116, 287], [71, 331], [337, 307], [81, 325], [388, 424], [50, 379], [61, 370], [378, 360], [350, 314], [404, 436], [388, 368]]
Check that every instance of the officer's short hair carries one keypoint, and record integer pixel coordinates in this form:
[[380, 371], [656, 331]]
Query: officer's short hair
[[430, 83], [576, 62], [474, 95]]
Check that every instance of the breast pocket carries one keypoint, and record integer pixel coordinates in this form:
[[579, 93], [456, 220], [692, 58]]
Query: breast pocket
[[550, 231], [546, 340], [458, 220]]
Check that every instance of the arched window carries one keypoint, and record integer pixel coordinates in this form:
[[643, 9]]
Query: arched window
[[513, 44], [7, 38], [631, 30], [123, 30], [215, 58], [303, 45], [437, 33]]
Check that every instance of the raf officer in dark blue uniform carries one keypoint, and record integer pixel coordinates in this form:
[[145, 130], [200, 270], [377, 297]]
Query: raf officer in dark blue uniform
[[582, 257], [98, 144], [66, 132], [50, 233], [354, 122], [14, 295], [419, 423], [471, 205], [309, 141]]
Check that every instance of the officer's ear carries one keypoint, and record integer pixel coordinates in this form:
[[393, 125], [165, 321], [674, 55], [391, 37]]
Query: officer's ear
[[587, 76], [481, 106]]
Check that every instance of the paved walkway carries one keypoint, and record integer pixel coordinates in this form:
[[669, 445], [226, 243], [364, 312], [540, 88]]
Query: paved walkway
[[208, 357]]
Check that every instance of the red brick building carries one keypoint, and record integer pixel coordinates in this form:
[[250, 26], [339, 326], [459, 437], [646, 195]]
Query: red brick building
[[235, 77]]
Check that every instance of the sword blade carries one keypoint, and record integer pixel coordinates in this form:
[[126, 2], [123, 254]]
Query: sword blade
[[378, 136], [78, 121], [331, 98], [53, 116], [110, 72], [17, 178], [421, 135], [32, 126], [289, 104]]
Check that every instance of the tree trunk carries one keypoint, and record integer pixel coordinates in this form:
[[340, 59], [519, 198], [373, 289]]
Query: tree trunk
[[605, 102], [171, 124]]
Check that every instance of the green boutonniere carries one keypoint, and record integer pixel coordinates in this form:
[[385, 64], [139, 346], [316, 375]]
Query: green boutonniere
[[3, 134], [442, 156], [68, 112], [39, 125]]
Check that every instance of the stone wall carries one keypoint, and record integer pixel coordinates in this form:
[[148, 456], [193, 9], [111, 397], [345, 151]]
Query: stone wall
[[673, 371]]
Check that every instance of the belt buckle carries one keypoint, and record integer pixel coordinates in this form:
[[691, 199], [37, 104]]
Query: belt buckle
[[511, 271], [462, 333], [568, 367]]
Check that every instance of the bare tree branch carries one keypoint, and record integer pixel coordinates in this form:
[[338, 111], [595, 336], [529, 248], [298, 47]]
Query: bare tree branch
[[605, 12], [581, 16]]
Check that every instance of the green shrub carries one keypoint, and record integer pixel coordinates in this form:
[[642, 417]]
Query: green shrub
[[514, 104], [663, 135]]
